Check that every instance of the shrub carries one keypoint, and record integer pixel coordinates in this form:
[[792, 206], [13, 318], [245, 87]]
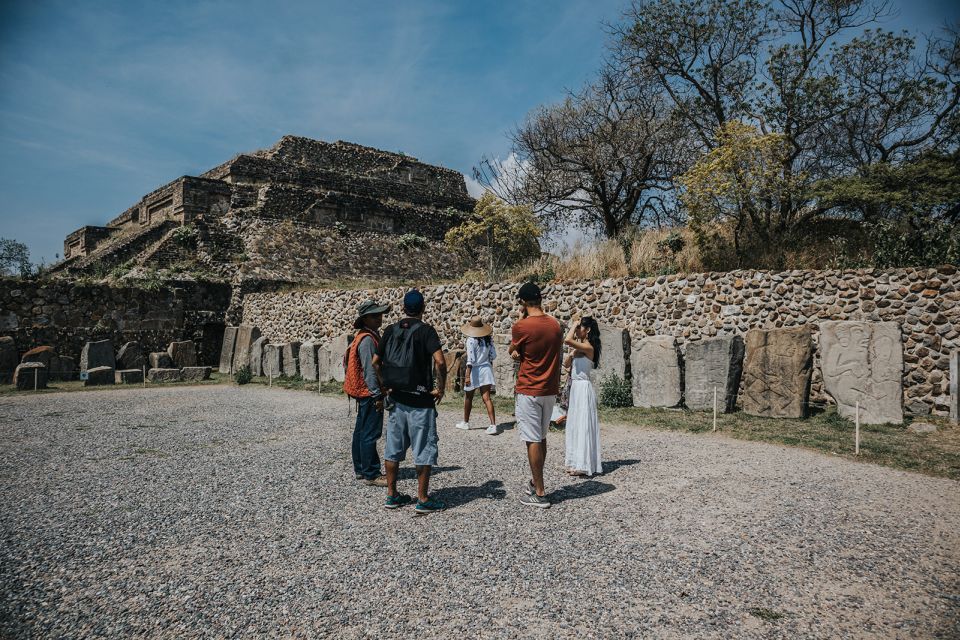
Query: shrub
[[410, 241], [243, 375], [615, 392], [184, 236]]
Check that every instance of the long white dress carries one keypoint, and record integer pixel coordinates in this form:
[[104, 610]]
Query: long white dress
[[583, 426]]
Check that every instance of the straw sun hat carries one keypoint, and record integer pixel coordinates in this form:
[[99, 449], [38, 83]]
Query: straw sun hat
[[476, 328]]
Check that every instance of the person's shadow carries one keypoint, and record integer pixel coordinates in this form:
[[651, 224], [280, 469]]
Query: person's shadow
[[459, 496], [609, 466], [584, 489], [410, 473]]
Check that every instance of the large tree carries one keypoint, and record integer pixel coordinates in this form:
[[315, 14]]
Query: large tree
[[603, 158]]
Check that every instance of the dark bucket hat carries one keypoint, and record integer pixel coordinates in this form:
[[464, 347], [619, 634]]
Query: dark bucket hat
[[370, 306]]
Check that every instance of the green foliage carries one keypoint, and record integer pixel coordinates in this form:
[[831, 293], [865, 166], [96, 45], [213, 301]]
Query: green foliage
[[243, 375], [185, 236], [509, 233], [14, 258], [340, 228], [121, 269], [615, 392], [674, 242], [913, 243], [412, 242]]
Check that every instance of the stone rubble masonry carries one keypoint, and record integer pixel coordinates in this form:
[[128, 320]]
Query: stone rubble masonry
[[130, 356], [30, 375], [657, 378], [863, 362], [291, 359], [160, 360], [776, 372], [195, 374], [246, 334], [183, 354], [158, 374], [8, 359], [689, 307], [129, 376], [100, 376], [97, 354], [955, 386], [308, 361], [227, 348], [713, 364], [256, 356]]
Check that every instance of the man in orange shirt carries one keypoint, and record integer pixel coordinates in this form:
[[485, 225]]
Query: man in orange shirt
[[537, 343]]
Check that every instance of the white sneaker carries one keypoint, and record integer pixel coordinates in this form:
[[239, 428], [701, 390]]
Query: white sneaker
[[492, 430], [463, 425]]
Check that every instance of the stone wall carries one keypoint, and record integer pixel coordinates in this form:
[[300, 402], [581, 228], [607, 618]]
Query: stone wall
[[925, 302], [65, 315]]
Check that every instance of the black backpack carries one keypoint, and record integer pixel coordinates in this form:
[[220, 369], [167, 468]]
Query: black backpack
[[399, 362]]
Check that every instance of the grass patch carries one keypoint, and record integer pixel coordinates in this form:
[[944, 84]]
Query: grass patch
[[77, 385], [765, 614]]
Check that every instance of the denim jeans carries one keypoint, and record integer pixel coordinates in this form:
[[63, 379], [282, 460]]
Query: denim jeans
[[366, 432]]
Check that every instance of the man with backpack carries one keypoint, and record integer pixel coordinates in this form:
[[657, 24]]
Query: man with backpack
[[360, 383], [405, 360]]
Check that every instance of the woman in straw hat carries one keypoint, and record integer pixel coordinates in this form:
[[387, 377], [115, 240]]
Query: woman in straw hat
[[479, 373]]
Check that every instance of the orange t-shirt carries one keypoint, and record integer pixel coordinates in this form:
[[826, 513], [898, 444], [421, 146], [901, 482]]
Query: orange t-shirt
[[539, 340]]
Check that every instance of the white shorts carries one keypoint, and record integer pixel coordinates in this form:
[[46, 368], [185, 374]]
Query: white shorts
[[533, 416]]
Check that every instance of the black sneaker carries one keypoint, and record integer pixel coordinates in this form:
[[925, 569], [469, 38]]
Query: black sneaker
[[535, 501]]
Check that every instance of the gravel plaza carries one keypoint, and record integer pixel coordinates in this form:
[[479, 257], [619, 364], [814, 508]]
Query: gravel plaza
[[222, 511]]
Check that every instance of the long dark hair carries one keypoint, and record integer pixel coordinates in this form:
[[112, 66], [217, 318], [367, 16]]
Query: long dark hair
[[593, 337]]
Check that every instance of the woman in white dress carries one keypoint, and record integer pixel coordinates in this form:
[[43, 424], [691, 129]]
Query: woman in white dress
[[583, 426], [479, 373]]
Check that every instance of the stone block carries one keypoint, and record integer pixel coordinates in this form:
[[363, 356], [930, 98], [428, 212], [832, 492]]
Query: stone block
[[98, 353], [8, 359], [246, 335], [100, 376], [195, 374], [68, 369], [921, 427], [160, 360], [713, 363], [614, 354], [863, 362], [130, 356], [129, 376], [227, 349], [256, 356], [290, 360], [158, 374], [183, 354], [504, 367], [30, 375], [955, 386], [330, 359], [657, 379], [308, 361], [776, 372], [456, 368], [273, 360], [44, 355]]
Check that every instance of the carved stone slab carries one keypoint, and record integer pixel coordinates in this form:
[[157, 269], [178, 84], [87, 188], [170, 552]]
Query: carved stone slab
[[655, 367], [291, 359], [863, 361], [227, 348], [130, 356], [308, 361], [776, 372], [273, 359], [246, 334], [614, 354], [97, 354], [97, 376], [256, 356], [30, 375], [183, 354], [713, 363], [330, 359], [504, 367]]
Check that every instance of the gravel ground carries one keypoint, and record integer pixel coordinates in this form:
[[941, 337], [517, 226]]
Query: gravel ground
[[221, 511]]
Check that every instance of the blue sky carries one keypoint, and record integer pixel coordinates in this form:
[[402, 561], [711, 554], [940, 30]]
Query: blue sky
[[102, 102]]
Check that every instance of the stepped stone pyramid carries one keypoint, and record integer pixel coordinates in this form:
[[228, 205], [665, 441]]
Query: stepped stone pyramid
[[301, 211]]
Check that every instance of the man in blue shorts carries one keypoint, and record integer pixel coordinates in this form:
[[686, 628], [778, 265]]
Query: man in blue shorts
[[405, 360]]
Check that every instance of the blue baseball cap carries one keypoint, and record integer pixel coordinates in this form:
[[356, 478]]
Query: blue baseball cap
[[413, 302]]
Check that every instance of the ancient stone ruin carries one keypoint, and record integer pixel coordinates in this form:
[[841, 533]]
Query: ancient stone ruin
[[301, 211]]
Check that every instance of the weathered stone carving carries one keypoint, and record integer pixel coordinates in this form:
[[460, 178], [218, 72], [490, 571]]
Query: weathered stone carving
[[68, 369], [330, 359], [195, 374], [863, 361], [504, 367], [776, 372], [273, 360], [48, 357], [246, 334], [8, 358], [160, 360], [714, 363], [291, 359], [456, 367], [614, 354], [655, 367], [163, 375], [130, 356], [129, 376], [256, 356], [308, 361], [30, 375], [227, 348], [183, 354], [99, 376], [97, 354]]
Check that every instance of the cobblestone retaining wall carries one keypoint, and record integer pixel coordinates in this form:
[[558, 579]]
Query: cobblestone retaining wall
[[926, 303]]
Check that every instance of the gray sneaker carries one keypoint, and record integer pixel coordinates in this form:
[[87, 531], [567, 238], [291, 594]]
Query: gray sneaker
[[531, 491], [535, 501]]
